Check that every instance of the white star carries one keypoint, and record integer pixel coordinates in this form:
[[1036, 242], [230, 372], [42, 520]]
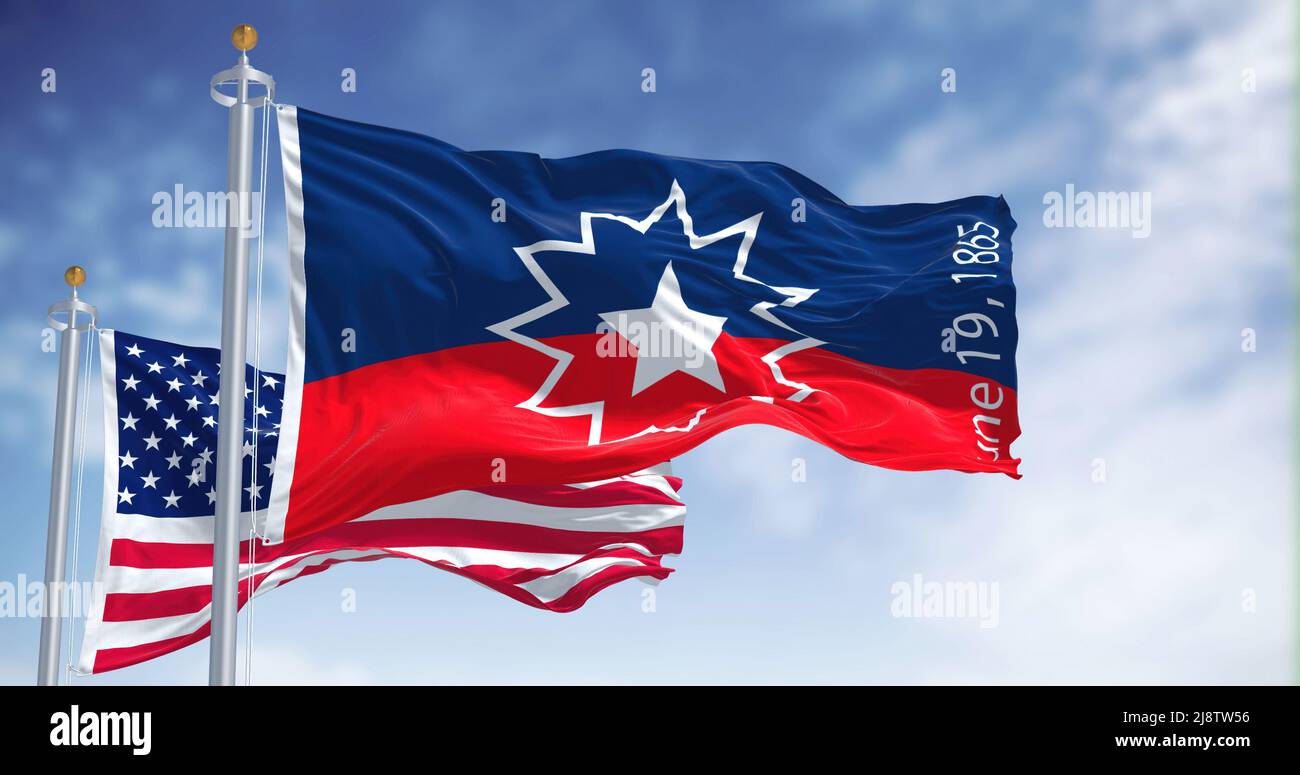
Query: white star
[[195, 477], [151, 402], [171, 422], [129, 383], [189, 439], [129, 421], [262, 411], [134, 350], [128, 461], [155, 368], [254, 492], [150, 480], [206, 454], [180, 360], [173, 385], [193, 403], [172, 500], [151, 442], [215, 400], [212, 496], [690, 337], [174, 461], [247, 390], [248, 448], [125, 496], [271, 466], [269, 381], [199, 379], [209, 422]]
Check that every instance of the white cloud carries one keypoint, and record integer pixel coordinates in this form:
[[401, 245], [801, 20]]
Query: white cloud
[[1129, 352]]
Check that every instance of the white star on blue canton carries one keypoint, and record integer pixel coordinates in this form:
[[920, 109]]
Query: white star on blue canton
[[691, 334]]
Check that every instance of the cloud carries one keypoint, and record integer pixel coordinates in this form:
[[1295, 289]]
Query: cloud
[[1131, 354]]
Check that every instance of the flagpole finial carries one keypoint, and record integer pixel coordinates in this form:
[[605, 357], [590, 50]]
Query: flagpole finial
[[244, 37], [74, 276]]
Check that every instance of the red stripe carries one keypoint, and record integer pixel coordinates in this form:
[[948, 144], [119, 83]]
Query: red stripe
[[389, 533], [112, 659], [135, 606], [130, 553], [352, 458]]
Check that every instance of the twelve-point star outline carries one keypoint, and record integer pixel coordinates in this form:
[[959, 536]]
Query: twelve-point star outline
[[664, 309]]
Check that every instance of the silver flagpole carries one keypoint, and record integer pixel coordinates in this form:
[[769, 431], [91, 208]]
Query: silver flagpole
[[56, 539], [234, 333]]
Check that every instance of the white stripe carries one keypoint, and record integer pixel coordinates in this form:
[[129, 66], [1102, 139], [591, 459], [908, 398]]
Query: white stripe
[[291, 408], [117, 635], [108, 502], [557, 585], [651, 477], [167, 530], [471, 505]]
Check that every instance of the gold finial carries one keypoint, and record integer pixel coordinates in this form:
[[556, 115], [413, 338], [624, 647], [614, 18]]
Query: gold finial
[[74, 276], [244, 37]]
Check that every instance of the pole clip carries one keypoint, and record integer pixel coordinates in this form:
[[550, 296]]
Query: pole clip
[[67, 308], [242, 71]]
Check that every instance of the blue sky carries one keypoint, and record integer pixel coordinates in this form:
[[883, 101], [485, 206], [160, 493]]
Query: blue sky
[[1130, 352]]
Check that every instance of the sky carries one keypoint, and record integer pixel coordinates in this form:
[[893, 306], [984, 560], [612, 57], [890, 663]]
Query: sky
[[1152, 538]]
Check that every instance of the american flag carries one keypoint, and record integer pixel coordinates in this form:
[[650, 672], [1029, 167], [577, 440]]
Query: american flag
[[551, 547]]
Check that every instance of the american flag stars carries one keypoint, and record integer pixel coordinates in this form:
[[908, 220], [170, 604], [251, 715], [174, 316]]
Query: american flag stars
[[167, 412]]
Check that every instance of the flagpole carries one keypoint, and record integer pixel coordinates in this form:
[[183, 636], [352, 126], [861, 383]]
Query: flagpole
[[234, 334], [56, 538]]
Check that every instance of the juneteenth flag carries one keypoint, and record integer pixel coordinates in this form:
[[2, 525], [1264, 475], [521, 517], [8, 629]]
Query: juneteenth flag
[[549, 547], [460, 318]]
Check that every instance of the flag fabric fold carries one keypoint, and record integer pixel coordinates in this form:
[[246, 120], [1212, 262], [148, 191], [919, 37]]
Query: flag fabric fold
[[551, 547], [456, 314]]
